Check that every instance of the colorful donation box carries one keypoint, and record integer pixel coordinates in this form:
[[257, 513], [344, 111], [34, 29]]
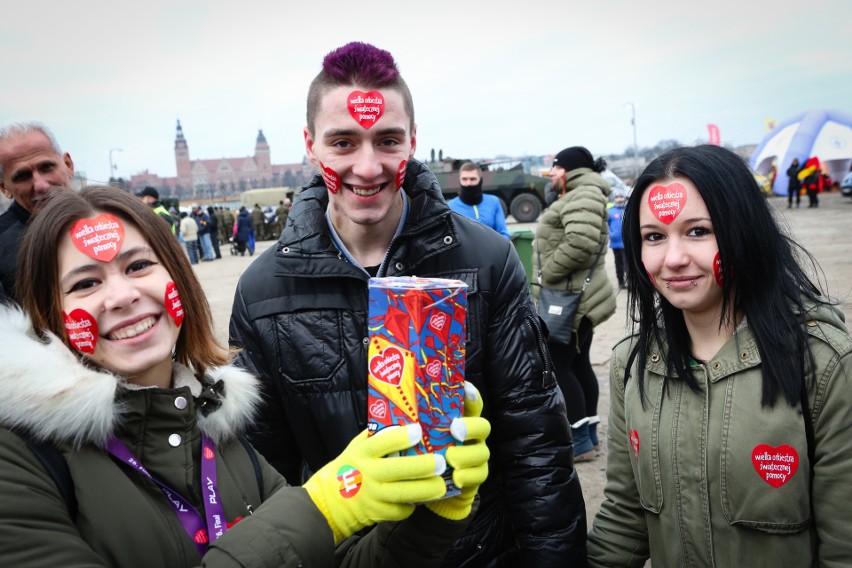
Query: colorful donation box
[[416, 358]]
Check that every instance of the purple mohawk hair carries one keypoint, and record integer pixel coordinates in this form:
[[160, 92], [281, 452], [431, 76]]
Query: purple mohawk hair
[[358, 62]]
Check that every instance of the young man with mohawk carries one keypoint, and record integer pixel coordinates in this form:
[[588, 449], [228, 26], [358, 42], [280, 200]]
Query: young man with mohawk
[[300, 317]]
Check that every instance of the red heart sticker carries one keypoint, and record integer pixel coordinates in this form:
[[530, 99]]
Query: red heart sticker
[[82, 330], [366, 108], [666, 202], [634, 442], [349, 480], [99, 238], [433, 368], [388, 365], [331, 178], [775, 465], [379, 409], [400, 173], [201, 537], [438, 321], [208, 453], [173, 304], [717, 269]]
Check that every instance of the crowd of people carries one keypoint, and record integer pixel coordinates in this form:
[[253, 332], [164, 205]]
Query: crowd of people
[[129, 436]]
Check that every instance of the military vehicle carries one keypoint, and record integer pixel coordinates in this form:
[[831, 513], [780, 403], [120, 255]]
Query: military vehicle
[[520, 193]]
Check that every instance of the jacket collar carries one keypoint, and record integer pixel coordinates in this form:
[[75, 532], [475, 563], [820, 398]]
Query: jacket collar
[[46, 390]]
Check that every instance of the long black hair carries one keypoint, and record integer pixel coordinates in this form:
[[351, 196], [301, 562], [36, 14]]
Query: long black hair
[[762, 276]]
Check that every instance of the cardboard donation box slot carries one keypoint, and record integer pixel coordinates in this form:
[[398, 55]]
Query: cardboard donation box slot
[[416, 358]]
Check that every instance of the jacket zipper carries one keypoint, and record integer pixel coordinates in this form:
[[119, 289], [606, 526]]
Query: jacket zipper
[[548, 376]]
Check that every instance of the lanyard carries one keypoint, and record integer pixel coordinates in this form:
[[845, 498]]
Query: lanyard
[[193, 523]]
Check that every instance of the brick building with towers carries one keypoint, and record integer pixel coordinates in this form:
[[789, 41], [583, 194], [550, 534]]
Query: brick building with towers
[[210, 178]]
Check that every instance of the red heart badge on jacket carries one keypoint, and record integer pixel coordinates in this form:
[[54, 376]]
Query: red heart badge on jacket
[[667, 201], [388, 365], [775, 466], [366, 108], [100, 238]]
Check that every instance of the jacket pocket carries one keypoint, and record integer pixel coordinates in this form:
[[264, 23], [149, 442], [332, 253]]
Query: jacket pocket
[[643, 440], [764, 461]]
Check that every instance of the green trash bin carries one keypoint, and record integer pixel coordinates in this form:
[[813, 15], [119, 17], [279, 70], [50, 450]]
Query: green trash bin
[[523, 241]]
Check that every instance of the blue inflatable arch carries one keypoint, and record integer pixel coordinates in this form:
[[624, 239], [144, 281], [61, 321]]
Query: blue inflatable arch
[[826, 134]]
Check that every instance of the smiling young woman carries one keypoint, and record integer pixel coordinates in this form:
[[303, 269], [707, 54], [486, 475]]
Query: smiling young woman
[[729, 415]]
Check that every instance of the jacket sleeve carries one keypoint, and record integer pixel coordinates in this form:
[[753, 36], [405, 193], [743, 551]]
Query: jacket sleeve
[[832, 500], [271, 434], [531, 436], [582, 220], [37, 529], [619, 535]]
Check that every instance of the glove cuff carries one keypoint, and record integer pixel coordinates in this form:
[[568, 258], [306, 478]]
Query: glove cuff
[[316, 495], [454, 508]]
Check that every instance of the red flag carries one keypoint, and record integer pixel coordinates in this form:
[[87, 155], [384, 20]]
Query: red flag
[[714, 135]]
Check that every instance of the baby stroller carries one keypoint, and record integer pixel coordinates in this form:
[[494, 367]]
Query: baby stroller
[[235, 247]]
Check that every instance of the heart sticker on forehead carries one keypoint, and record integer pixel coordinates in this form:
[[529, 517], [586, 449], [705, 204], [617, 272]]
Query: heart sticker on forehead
[[331, 178], [667, 201], [366, 108], [82, 330], [99, 238]]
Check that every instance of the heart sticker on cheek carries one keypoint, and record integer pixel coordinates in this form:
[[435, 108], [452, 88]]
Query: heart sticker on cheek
[[99, 238], [717, 270], [331, 178], [366, 108], [82, 330], [667, 201], [173, 304], [400, 173]]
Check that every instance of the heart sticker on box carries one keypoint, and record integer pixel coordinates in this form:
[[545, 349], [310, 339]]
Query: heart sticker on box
[[388, 366]]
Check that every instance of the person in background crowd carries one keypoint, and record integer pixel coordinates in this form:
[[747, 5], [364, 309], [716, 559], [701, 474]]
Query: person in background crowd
[[571, 239], [281, 214], [203, 233], [730, 405], [616, 214], [118, 375], [151, 197], [189, 233], [31, 167], [794, 185], [214, 231], [474, 204], [242, 232], [259, 222], [300, 323], [228, 217]]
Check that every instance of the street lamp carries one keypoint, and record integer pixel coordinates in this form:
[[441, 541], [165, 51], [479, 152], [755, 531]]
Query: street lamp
[[112, 167], [635, 147]]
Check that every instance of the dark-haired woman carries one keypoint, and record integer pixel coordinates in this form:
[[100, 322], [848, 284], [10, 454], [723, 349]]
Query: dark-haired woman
[[731, 405], [117, 373], [571, 239]]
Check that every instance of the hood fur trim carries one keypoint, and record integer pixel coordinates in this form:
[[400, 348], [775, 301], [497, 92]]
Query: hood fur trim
[[46, 390]]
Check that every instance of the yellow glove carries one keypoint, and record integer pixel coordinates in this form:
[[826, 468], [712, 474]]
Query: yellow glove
[[469, 461], [362, 487]]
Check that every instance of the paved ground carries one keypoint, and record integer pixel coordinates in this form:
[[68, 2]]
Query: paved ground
[[826, 232]]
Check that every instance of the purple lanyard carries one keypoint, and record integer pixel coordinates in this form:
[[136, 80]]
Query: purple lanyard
[[192, 521]]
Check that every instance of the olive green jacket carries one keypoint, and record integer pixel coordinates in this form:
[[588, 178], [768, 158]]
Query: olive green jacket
[[123, 519], [712, 478], [569, 236]]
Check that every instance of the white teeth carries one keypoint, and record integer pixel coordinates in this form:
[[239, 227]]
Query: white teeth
[[133, 330], [366, 191]]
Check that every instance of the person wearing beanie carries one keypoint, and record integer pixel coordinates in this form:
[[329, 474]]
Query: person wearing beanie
[[474, 204], [615, 211], [151, 197], [570, 236]]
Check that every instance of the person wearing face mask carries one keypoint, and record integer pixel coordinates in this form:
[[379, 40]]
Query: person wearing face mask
[[114, 366], [474, 204]]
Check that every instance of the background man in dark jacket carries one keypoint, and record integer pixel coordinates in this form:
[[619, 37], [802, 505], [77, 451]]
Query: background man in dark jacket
[[794, 185], [31, 166], [300, 317]]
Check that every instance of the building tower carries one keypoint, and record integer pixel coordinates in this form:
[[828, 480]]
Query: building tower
[[262, 159], [182, 162]]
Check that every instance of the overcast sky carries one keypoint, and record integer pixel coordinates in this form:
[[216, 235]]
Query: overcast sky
[[488, 78]]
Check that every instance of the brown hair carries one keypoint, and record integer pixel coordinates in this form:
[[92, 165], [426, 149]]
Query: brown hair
[[38, 268], [470, 167]]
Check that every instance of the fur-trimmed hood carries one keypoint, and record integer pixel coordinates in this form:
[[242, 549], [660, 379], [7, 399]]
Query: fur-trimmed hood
[[46, 390]]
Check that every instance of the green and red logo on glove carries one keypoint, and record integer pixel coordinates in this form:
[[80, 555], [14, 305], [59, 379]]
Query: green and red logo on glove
[[350, 481]]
